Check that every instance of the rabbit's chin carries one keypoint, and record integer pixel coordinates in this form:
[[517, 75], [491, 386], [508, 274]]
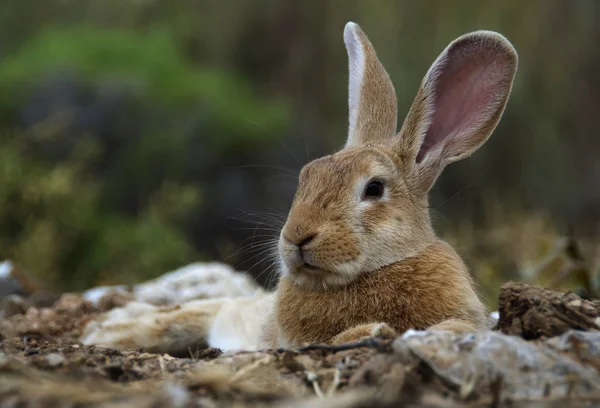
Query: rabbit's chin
[[318, 279]]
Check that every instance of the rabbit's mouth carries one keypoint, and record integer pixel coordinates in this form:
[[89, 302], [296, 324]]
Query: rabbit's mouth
[[317, 278], [310, 267]]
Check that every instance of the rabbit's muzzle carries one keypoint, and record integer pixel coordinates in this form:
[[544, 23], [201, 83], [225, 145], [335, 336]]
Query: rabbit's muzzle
[[323, 255]]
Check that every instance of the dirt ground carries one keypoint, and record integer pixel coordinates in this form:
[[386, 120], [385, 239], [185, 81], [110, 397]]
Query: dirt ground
[[545, 352]]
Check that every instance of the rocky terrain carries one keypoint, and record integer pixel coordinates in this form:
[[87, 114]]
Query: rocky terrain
[[544, 351]]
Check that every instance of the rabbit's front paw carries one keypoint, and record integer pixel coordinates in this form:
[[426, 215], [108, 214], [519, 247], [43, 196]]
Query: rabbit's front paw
[[457, 326], [383, 330], [364, 331]]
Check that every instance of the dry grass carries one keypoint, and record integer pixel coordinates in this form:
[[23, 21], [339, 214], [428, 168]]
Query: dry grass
[[515, 244]]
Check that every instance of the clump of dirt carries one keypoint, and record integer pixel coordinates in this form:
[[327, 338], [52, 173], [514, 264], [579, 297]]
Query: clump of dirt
[[64, 318], [551, 358], [533, 312], [64, 356]]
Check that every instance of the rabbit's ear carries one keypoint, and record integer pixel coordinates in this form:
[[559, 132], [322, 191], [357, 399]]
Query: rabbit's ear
[[458, 106], [372, 99]]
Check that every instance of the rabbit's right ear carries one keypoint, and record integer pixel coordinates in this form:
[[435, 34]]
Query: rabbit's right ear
[[372, 101], [458, 106]]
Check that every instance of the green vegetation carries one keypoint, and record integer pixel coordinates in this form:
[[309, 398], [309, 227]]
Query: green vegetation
[[129, 130], [61, 204]]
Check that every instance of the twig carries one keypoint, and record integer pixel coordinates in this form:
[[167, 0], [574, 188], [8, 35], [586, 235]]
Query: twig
[[250, 367], [335, 383], [467, 387], [588, 320], [314, 379], [371, 342], [162, 365], [590, 325]]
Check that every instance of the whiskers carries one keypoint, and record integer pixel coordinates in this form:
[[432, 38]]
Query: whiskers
[[262, 245]]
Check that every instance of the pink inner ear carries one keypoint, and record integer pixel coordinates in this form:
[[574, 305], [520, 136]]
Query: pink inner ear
[[468, 91]]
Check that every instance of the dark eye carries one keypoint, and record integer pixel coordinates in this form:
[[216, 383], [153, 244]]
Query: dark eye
[[374, 190]]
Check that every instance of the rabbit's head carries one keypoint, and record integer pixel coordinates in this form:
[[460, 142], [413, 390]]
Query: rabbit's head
[[365, 206]]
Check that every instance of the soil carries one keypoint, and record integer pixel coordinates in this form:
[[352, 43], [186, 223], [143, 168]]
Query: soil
[[533, 312], [546, 352]]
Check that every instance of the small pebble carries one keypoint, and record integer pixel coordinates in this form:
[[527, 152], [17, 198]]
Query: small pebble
[[176, 394], [55, 359]]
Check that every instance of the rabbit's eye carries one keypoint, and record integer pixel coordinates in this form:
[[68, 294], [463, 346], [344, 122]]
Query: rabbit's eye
[[374, 190]]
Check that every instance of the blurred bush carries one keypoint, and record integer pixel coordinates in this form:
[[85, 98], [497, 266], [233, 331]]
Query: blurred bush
[[513, 243], [100, 178], [172, 118], [56, 224]]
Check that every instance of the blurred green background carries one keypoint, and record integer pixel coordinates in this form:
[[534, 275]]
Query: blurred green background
[[140, 135]]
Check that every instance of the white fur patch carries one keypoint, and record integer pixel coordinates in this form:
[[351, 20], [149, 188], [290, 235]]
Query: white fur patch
[[238, 325], [356, 67]]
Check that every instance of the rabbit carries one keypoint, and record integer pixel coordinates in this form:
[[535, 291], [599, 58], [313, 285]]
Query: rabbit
[[358, 254]]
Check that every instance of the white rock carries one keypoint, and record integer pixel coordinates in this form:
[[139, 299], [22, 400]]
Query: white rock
[[414, 333], [55, 359], [6, 268], [176, 394], [95, 294], [493, 319], [196, 281]]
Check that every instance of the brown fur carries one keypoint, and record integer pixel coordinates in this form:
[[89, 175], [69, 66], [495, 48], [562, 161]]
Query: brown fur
[[349, 262], [364, 331], [416, 293]]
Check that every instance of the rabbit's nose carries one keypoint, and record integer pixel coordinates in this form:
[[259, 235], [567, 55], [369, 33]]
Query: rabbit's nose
[[302, 241]]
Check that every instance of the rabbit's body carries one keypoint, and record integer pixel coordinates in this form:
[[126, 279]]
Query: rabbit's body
[[416, 293], [358, 253]]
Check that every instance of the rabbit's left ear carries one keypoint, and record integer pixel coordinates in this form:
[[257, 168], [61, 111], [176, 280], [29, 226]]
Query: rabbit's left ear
[[458, 106], [372, 99]]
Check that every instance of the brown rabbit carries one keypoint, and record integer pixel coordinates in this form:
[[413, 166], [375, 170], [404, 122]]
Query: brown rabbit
[[359, 256]]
